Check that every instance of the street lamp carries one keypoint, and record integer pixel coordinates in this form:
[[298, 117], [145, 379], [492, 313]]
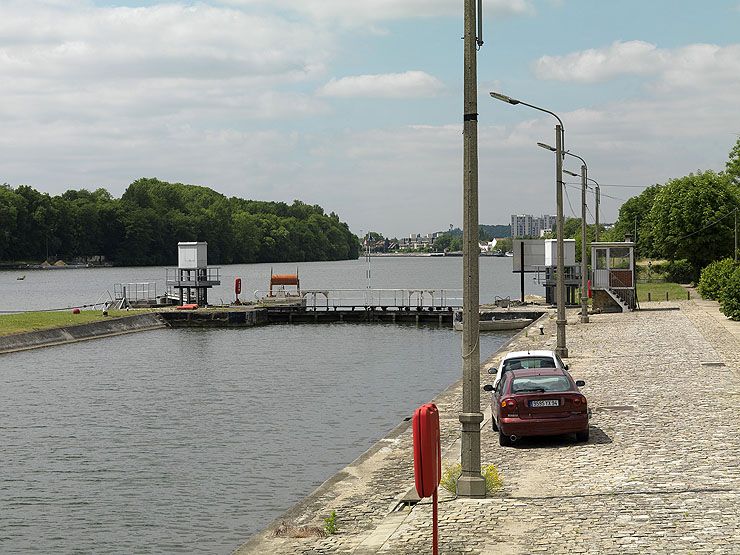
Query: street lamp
[[597, 196], [584, 266], [561, 349]]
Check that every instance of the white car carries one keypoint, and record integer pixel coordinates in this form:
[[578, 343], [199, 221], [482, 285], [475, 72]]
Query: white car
[[527, 359]]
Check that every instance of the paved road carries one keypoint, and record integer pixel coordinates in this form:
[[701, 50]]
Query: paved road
[[660, 474]]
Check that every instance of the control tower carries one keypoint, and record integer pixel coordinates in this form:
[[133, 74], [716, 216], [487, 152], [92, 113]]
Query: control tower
[[192, 278]]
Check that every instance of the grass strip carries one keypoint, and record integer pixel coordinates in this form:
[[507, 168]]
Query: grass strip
[[34, 321], [657, 291]]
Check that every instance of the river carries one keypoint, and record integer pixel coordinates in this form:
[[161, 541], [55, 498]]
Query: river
[[185, 441]]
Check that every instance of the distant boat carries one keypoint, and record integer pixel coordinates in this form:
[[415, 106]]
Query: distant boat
[[19, 278], [494, 324]]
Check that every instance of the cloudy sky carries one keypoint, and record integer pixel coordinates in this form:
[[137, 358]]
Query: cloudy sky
[[356, 105]]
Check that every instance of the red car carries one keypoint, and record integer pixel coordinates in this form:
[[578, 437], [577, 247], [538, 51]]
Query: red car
[[538, 402]]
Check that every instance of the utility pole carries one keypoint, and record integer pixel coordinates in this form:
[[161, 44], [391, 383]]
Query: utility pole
[[584, 230], [560, 322], [598, 201], [470, 483]]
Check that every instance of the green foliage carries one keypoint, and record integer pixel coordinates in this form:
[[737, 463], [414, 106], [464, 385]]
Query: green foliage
[[733, 164], [714, 277], [451, 474], [689, 220], [330, 524], [504, 244], [680, 271], [636, 211], [144, 226], [729, 298]]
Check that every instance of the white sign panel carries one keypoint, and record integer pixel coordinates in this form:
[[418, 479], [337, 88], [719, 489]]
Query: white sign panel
[[534, 255]]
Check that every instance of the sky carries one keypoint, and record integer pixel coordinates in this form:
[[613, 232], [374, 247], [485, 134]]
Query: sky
[[356, 105]]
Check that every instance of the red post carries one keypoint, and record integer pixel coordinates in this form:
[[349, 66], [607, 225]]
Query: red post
[[435, 528]]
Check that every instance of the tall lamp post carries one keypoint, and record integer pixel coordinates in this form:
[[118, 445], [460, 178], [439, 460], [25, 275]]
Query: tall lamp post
[[471, 483], [561, 349], [597, 198], [584, 266]]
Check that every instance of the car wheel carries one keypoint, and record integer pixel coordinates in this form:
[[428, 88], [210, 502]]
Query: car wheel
[[582, 436], [493, 424], [504, 440]]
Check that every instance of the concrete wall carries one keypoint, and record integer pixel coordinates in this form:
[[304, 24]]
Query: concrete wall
[[82, 332], [603, 302]]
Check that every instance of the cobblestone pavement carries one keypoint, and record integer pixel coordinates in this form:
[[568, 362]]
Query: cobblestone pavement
[[660, 474]]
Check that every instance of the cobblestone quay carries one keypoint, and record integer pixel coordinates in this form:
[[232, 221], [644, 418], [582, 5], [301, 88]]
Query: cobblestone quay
[[660, 474]]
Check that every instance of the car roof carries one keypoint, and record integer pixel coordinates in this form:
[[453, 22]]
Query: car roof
[[527, 372], [524, 354]]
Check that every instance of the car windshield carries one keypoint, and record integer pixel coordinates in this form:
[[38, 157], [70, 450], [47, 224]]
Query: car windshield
[[540, 383], [528, 362]]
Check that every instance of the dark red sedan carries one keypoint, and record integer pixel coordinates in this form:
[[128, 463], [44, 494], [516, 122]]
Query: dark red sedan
[[538, 402]]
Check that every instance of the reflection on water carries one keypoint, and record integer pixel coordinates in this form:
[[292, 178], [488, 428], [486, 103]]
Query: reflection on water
[[191, 440]]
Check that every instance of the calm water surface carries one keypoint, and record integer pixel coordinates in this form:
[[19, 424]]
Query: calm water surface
[[189, 441]]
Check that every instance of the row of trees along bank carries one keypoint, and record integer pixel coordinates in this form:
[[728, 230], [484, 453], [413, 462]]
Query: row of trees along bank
[[144, 226], [690, 218], [689, 221]]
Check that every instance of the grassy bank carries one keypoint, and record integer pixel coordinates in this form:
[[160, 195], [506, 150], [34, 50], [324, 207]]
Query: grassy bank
[[34, 321], [657, 291]]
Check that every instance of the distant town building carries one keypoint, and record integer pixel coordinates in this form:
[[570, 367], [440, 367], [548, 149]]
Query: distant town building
[[526, 225]]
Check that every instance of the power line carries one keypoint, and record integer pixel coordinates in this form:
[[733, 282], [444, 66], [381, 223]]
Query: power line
[[708, 225], [569, 204]]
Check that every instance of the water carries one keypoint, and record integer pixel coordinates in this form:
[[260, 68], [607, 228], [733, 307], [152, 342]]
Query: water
[[183, 441], [43, 289]]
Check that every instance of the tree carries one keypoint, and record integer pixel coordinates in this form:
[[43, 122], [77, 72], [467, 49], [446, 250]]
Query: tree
[[691, 218], [733, 164], [634, 213]]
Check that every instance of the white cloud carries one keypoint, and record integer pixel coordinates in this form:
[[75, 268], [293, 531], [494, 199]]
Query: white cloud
[[411, 84], [86, 63], [368, 11], [695, 65]]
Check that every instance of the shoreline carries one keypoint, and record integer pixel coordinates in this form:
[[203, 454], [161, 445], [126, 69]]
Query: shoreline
[[80, 332], [376, 454]]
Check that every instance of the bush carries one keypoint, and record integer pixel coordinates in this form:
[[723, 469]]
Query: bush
[[451, 474], [680, 271], [714, 277], [729, 298]]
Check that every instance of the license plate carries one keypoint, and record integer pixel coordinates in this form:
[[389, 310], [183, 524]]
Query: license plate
[[545, 403]]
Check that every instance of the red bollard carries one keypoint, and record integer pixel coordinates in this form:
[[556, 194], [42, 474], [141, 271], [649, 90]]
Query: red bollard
[[428, 460]]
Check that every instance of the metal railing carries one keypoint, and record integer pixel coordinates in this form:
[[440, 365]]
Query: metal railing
[[132, 292], [378, 298]]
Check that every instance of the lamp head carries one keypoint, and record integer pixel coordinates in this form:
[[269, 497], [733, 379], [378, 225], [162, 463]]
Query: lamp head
[[547, 147], [504, 98], [571, 173]]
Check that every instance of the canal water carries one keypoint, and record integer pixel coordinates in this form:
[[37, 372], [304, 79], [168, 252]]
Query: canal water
[[189, 441]]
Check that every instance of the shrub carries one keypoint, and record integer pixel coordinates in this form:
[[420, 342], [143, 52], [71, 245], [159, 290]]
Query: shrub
[[680, 271], [330, 524], [452, 473], [714, 277], [729, 298]]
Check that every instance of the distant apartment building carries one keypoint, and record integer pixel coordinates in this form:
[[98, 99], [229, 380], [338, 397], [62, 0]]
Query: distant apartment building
[[526, 225]]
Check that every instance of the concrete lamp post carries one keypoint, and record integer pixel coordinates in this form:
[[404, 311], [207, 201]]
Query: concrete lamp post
[[597, 198], [561, 349], [584, 238]]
